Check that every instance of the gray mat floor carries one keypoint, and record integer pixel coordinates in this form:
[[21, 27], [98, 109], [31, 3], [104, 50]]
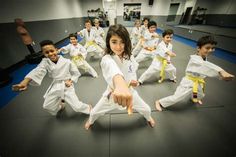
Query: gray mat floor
[[182, 130]]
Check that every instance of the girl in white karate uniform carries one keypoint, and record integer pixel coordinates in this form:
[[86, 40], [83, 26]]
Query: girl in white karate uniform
[[193, 84], [161, 62], [90, 35], [78, 54], [63, 72], [119, 70], [149, 46], [143, 29], [100, 34], [136, 33]]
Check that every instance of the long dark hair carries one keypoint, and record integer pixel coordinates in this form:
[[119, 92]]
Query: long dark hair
[[122, 32]]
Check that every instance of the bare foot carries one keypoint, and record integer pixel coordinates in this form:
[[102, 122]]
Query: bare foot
[[200, 102], [158, 106], [151, 123], [87, 125]]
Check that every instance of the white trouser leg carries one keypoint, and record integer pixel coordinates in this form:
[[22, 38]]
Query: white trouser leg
[[141, 57], [180, 94], [90, 69], [148, 73], [137, 48], [72, 99], [103, 106], [51, 102], [171, 71], [140, 106]]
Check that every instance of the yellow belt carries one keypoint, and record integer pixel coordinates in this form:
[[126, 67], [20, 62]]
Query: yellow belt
[[196, 82], [164, 64], [75, 58], [149, 48], [89, 43]]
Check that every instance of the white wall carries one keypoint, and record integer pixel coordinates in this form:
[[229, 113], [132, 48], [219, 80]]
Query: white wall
[[90, 4], [36, 10]]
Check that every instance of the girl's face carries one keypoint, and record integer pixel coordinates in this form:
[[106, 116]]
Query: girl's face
[[73, 40], [206, 50], [117, 45]]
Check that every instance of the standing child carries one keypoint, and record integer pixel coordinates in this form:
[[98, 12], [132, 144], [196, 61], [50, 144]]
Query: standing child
[[136, 33], [198, 68], [78, 54], [151, 39], [90, 35], [143, 29], [161, 62], [99, 34], [119, 70], [63, 73]]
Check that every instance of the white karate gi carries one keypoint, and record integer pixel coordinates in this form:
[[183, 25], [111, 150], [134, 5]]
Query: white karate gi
[[196, 67], [156, 66], [135, 36], [78, 54], [59, 72], [91, 45], [149, 42], [111, 66], [138, 46], [100, 37]]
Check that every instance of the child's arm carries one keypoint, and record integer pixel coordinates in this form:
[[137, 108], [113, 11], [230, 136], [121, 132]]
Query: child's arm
[[209, 69], [162, 50], [121, 93], [155, 35], [147, 36], [171, 54], [22, 85], [114, 78], [34, 77], [64, 49], [81, 33], [226, 76]]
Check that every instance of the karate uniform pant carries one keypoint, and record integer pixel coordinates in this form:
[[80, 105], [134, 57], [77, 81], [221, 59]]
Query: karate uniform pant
[[95, 50], [137, 48], [106, 105], [54, 96], [182, 92], [134, 42], [144, 55], [153, 70], [101, 42], [85, 66]]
